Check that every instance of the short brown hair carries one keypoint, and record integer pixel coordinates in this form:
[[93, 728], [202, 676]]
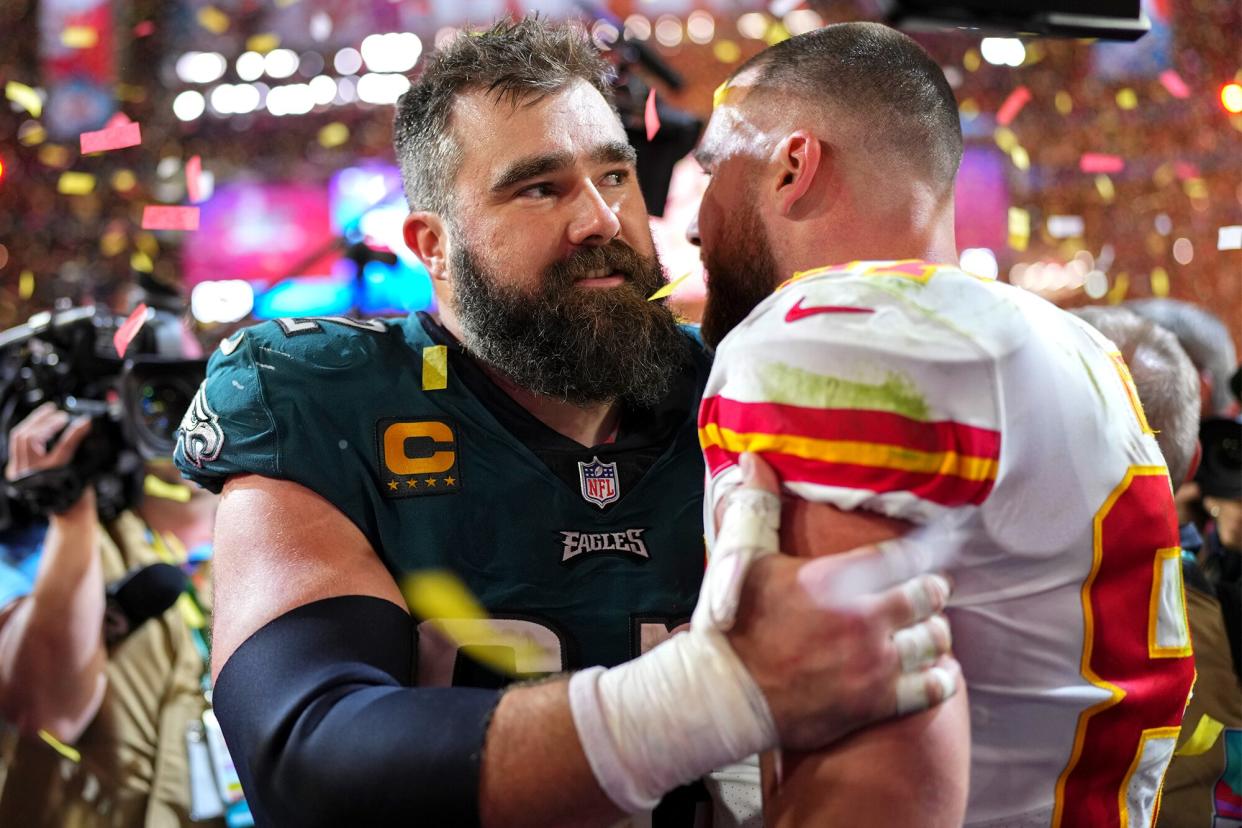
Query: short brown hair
[[520, 61]]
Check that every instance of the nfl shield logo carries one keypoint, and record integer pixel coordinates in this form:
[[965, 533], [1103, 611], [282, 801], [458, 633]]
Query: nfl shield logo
[[599, 482]]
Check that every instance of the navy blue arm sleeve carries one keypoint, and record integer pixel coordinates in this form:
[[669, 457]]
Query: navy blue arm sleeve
[[325, 729]]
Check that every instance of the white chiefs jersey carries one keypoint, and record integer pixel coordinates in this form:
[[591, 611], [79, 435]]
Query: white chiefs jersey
[[1011, 433]]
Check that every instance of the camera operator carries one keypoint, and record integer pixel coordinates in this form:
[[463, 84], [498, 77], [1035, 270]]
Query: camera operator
[[102, 639]]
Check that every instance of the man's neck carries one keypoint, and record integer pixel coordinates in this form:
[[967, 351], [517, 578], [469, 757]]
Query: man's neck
[[587, 425]]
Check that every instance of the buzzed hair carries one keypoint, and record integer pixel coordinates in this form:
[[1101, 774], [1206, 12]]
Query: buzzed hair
[[516, 61], [1164, 376], [877, 78]]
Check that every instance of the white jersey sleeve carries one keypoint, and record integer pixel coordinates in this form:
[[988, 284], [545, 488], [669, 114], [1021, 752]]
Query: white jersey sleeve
[[1010, 433]]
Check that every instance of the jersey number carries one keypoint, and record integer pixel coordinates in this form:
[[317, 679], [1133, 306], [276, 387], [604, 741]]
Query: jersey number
[[1137, 651]]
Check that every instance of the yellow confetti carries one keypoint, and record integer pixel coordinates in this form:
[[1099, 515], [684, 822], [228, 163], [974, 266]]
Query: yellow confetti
[[111, 243], [720, 95], [31, 134], [147, 243], [969, 108], [333, 135], [79, 37], [155, 487], [213, 20], [1160, 282], [54, 155], [1019, 228], [141, 262], [1021, 158], [1104, 186], [1127, 98], [1195, 188], [262, 43], [776, 33], [726, 51], [1164, 175], [25, 97], [1121, 286], [1063, 102], [75, 183], [26, 284], [435, 368], [1005, 139], [60, 747], [123, 181], [668, 289], [1207, 731], [439, 597], [971, 60]]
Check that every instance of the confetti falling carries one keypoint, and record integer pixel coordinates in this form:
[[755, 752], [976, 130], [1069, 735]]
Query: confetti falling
[[26, 284], [213, 20], [1097, 162], [1229, 238], [141, 262], [1174, 84], [726, 51], [158, 217], [194, 179], [1009, 110], [144, 29], [720, 95], [262, 43], [75, 183], [1160, 282], [116, 137], [25, 97], [129, 329], [79, 37], [333, 135], [668, 289], [1019, 228], [651, 117], [1205, 734], [1104, 186]]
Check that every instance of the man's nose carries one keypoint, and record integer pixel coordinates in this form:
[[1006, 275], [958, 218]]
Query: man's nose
[[692, 231], [595, 221]]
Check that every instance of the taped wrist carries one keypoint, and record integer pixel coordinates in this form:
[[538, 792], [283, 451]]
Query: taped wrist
[[324, 728], [683, 709]]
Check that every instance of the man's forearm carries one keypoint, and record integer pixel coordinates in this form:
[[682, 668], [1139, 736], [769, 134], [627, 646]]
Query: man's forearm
[[51, 648]]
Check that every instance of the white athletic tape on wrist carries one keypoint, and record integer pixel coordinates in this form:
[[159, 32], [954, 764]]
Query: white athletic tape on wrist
[[749, 530], [663, 720], [912, 689]]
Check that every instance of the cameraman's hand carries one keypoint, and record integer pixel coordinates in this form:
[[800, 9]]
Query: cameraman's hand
[[29, 449], [826, 662]]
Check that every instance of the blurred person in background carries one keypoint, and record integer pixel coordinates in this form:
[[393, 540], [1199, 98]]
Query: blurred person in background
[[1168, 387], [1206, 340], [102, 639], [537, 440], [899, 390], [1220, 483]]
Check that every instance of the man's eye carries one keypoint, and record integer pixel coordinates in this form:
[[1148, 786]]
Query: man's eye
[[541, 190], [617, 177]]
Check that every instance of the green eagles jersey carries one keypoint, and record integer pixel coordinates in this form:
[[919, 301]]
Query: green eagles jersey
[[369, 415]]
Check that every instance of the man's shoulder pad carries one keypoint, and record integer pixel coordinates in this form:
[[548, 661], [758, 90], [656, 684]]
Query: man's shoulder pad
[[313, 342]]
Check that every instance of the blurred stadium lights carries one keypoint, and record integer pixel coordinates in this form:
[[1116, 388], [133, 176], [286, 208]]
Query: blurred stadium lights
[[226, 301], [189, 105], [392, 52], [280, 63], [201, 67], [377, 88], [1003, 51], [249, 66], [979, 261], [347, 61], [1231, 98]]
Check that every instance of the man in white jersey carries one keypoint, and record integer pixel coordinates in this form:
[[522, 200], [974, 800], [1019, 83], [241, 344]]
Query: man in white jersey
[[907, 398]]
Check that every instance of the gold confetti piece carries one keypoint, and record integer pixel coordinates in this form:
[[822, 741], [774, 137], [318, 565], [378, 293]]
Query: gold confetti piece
[[726, 51], [1207, 731], [79, 37], [141, 262], [969, 108], [1005, 139], [75, 183], [1195, 188], [971, 60], [31, 134], [147, 244], [155, 487], [213, 20], [123, 181], [435, 368], [26, 284], [25, 97], [60, 747], [111, 243], [668, 289], [1121, 286], [54, 155], [720, 95], [1019, 228], [1104, 186], [1160, 282], [1063, 102], [262, 43], [1020, 157], [333, 135], [1127, 98], [776, 33]]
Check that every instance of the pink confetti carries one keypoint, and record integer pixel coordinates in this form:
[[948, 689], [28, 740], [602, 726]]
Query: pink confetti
[[117, 137], [652, 117], [1185, 170], [117, 120], [1098, 162], [1174, 83], [145, 28], [156, 217], [129, 329], [193, 179], [1009, 110]]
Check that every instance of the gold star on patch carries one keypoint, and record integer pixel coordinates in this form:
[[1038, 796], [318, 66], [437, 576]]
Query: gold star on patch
[[430, 481], [411, 482], [449, 481], [392, 484]]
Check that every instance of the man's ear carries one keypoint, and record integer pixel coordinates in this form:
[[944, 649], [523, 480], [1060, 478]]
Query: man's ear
[[798, 160], [426, 235]]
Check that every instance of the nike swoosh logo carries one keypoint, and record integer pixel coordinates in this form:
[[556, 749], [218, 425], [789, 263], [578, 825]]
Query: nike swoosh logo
[[799, 312], [228, 346]]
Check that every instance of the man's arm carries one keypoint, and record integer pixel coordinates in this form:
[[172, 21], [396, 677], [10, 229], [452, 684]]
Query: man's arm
[[52, 653], [925, 757]]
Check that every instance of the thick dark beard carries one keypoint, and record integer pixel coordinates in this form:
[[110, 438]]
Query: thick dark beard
[[741, 274], [580, 345]]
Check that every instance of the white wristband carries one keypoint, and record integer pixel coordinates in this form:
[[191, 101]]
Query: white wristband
[[685, 708]]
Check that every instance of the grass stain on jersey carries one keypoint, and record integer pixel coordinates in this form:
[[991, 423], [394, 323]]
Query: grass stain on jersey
[[790, 385], [1099, 392]]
